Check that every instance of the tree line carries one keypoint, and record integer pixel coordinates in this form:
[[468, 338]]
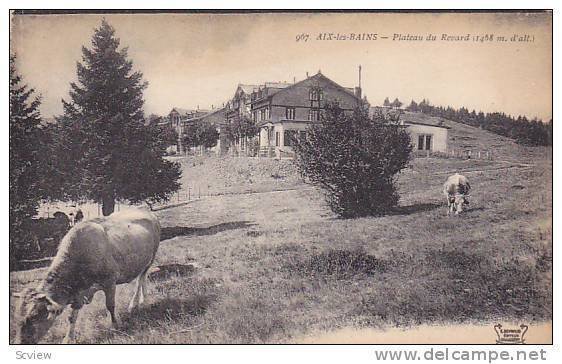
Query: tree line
[[532, 132]]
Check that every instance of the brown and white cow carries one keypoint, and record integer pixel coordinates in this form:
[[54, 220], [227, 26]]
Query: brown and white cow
[[456, 190], [94, 255]]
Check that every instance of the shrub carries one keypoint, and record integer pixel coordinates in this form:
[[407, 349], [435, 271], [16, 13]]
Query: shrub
[[355, 160]]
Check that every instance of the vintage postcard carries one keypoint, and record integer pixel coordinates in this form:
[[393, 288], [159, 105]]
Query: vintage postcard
[[281, 177]]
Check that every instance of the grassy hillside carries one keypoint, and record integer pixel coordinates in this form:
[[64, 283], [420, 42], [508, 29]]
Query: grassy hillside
[[276, 266], [228, 175]]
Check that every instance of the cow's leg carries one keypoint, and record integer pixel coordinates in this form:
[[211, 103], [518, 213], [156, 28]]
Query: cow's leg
[[143, 283], [142, 288], [69, 337], [83, 298], [135, 299], [109, 290]]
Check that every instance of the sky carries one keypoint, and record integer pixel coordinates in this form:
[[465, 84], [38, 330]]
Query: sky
[[192, 60]]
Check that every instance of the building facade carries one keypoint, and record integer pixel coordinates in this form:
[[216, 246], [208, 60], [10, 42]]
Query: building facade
[[428, 138], [282, 111], [180, 119]]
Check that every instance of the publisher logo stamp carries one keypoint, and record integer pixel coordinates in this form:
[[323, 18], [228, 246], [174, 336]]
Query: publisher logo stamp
[[511, 335]]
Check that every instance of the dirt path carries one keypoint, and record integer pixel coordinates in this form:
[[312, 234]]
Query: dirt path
[[539, 333]]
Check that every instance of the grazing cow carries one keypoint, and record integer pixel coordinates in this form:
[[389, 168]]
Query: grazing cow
[[456, 190], [76, 215], [45, 233], [94, 255]]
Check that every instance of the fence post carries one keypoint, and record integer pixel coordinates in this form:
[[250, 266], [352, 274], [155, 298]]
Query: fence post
[[189, 193]]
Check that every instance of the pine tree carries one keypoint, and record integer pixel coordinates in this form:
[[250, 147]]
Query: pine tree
[[119, 157], [25, 191]]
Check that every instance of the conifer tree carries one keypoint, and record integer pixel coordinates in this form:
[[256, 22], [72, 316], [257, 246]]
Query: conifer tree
[[25, 191], [116, 155]]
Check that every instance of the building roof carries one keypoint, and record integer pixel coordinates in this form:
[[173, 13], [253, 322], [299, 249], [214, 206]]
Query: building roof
[[425, 124], [348, 90], [414, 118], [182, 111], [248, 89], [277, 84], [207, 114], [188, 112]]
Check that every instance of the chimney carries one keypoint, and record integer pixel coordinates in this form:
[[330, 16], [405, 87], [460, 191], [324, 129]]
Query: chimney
[[307, 75], [358, 88], [294, 79]]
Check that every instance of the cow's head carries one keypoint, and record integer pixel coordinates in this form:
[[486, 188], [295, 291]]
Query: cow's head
[[459, 202], [35, 315]]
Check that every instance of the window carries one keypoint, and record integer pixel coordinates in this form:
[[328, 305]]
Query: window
[[290, 113], [277, 139], [302, 134], [420, 142], [428, 142], [424, 142], [313, 115], [313, 94], [316, 94], [289, 138]]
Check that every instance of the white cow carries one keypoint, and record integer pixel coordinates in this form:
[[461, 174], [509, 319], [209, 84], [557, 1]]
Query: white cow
[[94, 255], [456, 190]]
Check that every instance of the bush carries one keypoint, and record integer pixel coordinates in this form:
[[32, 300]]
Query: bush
[[355, 160]]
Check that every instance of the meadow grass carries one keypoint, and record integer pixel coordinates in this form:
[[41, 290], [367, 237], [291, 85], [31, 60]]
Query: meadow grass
[[271, 267]]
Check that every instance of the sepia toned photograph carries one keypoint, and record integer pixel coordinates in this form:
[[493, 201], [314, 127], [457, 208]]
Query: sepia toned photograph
[[280, 177]]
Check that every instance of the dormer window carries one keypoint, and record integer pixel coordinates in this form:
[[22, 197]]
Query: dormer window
[[316, 94]]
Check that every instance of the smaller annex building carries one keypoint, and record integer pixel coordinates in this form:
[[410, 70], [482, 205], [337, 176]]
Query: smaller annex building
[[427, 134]]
